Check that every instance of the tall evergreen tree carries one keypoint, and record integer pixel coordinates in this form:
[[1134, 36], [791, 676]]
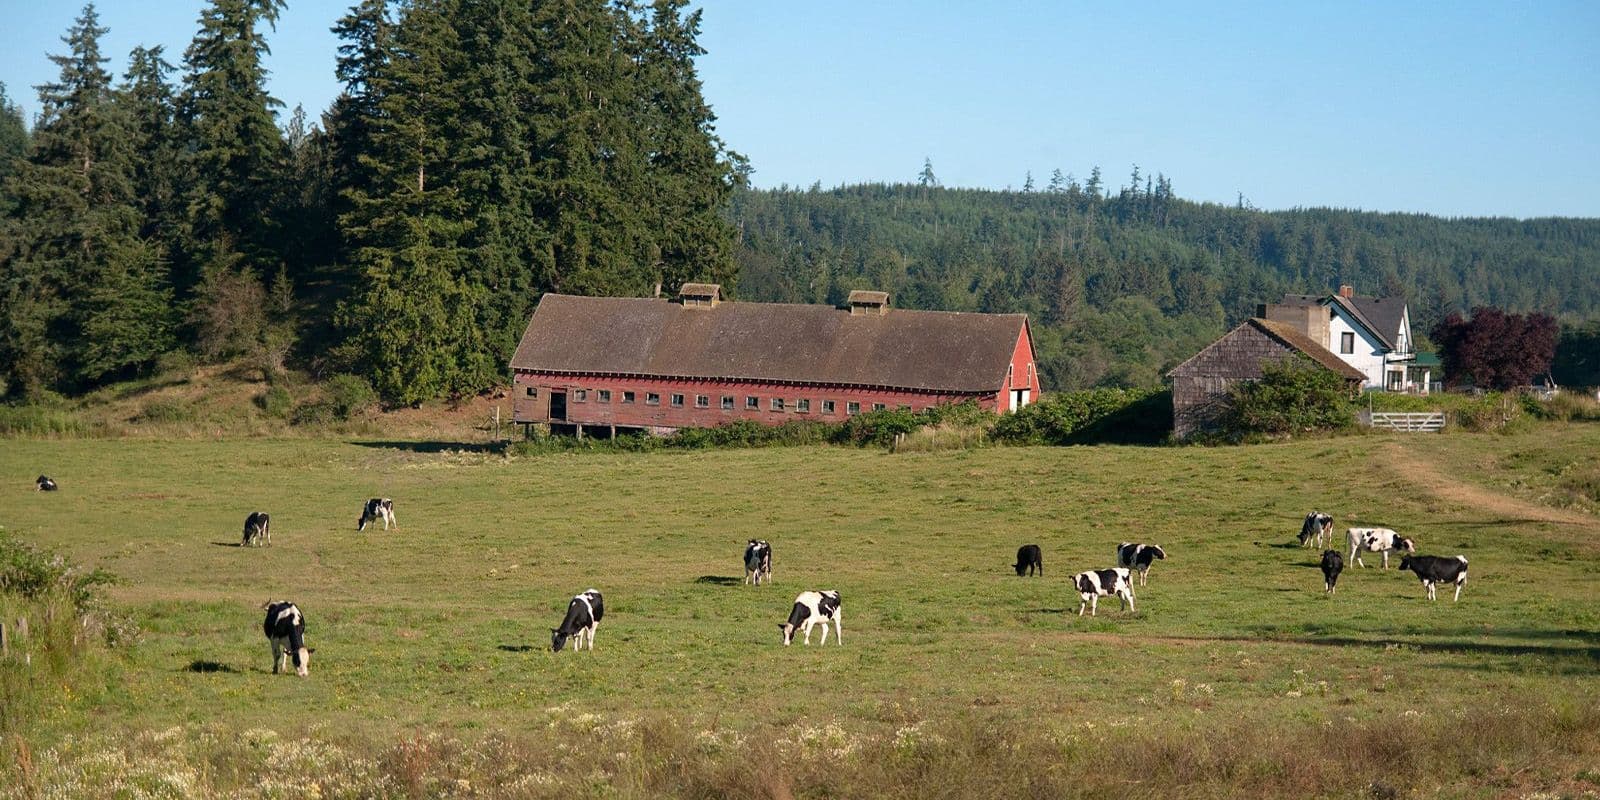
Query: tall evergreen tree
[[13, 139], [158, 180]]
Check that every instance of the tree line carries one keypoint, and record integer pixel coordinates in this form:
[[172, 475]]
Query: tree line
[[480, 154]]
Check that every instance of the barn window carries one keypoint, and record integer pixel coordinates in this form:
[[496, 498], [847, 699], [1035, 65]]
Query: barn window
[[878, 406], [702, 401], [580, 395], [727, 402], [802, 406], [827, 406], [652, 399], [627, 397], [777, 404], [603, 395], [752, 403], [677, 401], [1347, 342], [531, 392], [852, 408]]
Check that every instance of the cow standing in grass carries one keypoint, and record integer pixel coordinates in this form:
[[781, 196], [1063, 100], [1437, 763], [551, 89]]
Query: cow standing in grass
[[1139, 557], [757, 562], [286, 631], [1030, 559], [257, 529], [1332, 565], [1376, 540], [1317, 528], [583, 617], [1434, 570], [44, 484], [811, 609], [1097, 583], [377, 508]]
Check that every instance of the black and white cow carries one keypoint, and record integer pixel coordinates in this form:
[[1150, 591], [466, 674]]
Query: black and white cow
[[1376, 540], [44, 484], [815, 608], [377, 508], [1434, 570], [286, 632], [1029, 560], [1139, 557], [1097, 583], [757, 562], [1318, 529], [1332, 565], [257, 529], [583, 617]]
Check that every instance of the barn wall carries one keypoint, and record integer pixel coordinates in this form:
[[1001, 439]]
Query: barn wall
[[639, 414], [1200, 386], [1024, 374]]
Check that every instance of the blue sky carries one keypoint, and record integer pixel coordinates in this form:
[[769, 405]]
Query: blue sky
[[1452, 108]]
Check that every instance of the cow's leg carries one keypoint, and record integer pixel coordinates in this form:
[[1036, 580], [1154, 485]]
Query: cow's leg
[[593, 629], [1094, 605], [276, 654], [824, 641], [1459, 582], [838, 626], [1081, 603], [808, 625], [1386, 558]]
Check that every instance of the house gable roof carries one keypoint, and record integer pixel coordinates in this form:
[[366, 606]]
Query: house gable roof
[[1283, 334], [1381, 316], [773, 342]]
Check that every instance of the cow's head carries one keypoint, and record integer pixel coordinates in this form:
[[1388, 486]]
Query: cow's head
[[302, 660], [1020, 567], [558, 640], [1405, 562], [788, 632], [1161, 554], [1402, 543]]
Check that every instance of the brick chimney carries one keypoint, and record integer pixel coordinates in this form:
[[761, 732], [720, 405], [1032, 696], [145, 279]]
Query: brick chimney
[[1346, 291]]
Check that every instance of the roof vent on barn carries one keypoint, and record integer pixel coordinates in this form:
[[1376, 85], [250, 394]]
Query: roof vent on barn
[[700, 295], [863, 302]]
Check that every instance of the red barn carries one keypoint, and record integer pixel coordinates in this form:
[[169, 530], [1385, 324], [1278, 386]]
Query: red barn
[[597, 364]]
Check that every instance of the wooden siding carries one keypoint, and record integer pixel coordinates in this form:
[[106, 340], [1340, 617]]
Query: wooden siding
[[1200, 386]]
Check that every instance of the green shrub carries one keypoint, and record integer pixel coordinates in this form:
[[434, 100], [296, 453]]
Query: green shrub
[[33, 420], [349, 395], [318, 412], [175, 362], [1569, 406], [165, 411], [275, 402], [1493, 412], [1089, 416], [1293, 396]]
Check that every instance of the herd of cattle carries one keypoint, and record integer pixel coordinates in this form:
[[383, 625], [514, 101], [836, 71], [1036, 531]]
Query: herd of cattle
[[285, 624]]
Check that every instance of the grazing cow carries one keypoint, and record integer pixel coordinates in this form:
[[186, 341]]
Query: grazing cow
[[257, 529], [45, 484], [1139, 557], [1317, 528], [1332, 565], [1434, 570], [1097, 583], [377, 508], [1376, 540], [286, 632], [757, 562], [1029, 559], [814, 608], [583, 617]]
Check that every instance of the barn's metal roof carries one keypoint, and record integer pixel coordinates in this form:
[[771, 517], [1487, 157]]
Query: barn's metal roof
[[924, 350]]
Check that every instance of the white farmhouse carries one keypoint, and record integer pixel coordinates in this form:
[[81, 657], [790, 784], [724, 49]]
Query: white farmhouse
[[1371, 334]]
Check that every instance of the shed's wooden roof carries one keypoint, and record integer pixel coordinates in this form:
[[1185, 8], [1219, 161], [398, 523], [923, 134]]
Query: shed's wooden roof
[[1286, 335], [923, 350]]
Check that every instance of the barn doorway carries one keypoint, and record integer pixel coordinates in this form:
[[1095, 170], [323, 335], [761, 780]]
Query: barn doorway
[[558, 406], [1020, 398]]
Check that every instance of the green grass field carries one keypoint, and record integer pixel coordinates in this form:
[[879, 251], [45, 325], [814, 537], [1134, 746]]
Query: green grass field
[[441, 628]]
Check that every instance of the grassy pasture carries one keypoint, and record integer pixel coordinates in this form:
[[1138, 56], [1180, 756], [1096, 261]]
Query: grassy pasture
[[442, 626]]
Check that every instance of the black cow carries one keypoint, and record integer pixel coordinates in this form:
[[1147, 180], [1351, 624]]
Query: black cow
[[1317, 528], [583, 617], [1332, 565], [1434, 570], [811, 609], [44, 484], [377, 508], [1029, 559], [1139, 557], [757, 562], [286, 632], [257, 529]]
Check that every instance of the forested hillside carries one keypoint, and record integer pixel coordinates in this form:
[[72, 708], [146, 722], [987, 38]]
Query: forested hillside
[[1123, 284]]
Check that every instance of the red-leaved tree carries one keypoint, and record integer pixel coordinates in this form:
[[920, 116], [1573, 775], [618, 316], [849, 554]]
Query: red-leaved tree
[[1496, 350]]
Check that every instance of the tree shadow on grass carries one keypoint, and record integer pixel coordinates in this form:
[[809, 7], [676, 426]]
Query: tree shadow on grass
[[437, 447], [207, 666], [719, 580]]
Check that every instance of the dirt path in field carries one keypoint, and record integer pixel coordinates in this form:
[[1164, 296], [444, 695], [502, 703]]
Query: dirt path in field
[[1428, 478]]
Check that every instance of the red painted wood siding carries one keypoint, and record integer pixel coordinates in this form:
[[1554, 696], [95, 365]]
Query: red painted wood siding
[[1024, 374]]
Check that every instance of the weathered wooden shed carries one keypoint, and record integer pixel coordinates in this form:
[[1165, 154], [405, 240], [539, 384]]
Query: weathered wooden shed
[[1200, 385]]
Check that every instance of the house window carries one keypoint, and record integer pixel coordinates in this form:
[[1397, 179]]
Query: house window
[[702, 401], [777, 404], [852, 408], [752, 403], [602, 395], [827, 406], [1395, 381], [1347, 342], [677, 401], [652, 399], [727, 402], [802, 406], [627, 397], [580, 395], [532, 392], [878, 406]]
